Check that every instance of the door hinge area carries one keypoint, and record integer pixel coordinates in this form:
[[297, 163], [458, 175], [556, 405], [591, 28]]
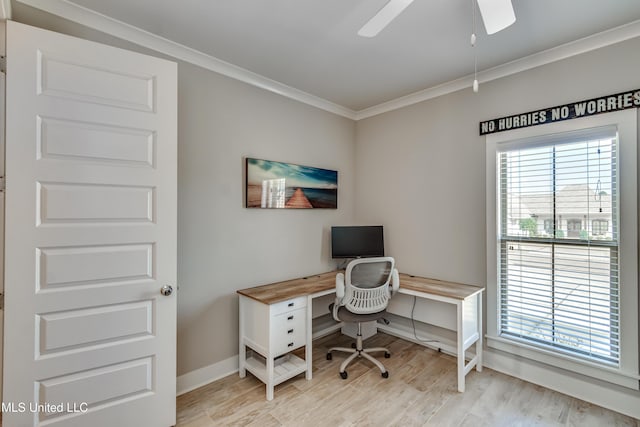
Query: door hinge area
[[2, 184], [3, 64], [1, 301]]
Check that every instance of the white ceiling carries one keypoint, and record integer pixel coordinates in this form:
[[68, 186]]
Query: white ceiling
[[312, 45]]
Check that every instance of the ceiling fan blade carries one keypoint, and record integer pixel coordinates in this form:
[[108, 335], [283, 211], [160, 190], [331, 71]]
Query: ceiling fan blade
[[384, 16], [496, 14]]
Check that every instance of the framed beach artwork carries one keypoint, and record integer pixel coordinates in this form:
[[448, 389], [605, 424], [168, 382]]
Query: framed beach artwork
[[288, 186]]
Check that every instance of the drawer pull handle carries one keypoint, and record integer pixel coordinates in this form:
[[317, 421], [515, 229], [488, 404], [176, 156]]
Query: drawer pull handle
[[290, 344], [290, 331], [290, 304], [290, 318]]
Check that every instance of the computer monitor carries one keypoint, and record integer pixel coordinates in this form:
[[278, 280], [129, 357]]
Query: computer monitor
[[357, 241]]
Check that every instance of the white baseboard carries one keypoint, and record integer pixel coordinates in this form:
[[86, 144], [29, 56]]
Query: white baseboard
[[205, 375], [610, 396]]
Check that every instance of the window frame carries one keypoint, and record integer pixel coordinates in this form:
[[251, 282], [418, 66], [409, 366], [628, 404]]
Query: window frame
[[626, 122]]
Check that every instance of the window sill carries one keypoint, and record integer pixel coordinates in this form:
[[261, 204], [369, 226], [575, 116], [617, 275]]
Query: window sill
[[609, 374]]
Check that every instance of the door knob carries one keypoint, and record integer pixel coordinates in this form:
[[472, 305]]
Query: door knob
[[166, 290]]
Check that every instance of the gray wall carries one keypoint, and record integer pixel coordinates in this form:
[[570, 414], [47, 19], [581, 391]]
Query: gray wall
[[222, 246], [421, 169]]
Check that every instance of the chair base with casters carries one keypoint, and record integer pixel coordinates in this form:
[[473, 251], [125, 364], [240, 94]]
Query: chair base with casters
[[358, 350]]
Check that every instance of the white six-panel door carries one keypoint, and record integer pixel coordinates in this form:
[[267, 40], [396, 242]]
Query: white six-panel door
[[90, 234]]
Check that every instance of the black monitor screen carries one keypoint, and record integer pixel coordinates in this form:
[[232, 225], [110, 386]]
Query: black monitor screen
[[357, 241]]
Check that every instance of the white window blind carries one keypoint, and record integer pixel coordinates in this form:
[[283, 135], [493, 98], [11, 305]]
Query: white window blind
[[558, 245]]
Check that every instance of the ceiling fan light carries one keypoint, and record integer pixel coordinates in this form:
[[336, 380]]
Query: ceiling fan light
[[496, 14], [384, 16]]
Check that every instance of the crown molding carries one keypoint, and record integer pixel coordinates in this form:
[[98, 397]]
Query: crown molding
[[567, 50], [97, 21], [108, 25]]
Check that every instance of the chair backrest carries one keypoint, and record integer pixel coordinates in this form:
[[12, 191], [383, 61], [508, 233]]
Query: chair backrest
[[367, 284]]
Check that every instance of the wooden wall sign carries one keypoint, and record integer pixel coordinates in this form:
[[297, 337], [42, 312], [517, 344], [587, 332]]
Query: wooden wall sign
[[590, 107]]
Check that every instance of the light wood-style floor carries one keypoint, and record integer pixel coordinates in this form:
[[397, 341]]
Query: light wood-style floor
[[421, 390]]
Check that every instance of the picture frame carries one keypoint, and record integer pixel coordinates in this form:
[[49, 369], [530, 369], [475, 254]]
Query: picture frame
[[278, 185]]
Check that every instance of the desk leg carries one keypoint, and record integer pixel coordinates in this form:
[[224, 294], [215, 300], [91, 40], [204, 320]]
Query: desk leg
[[242, 351], [308, 350], [242, 360], [460, 350], [479, 342], [270, 377]]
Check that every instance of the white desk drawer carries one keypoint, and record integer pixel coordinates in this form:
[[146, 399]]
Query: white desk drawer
[[288, 305], [288, 331]]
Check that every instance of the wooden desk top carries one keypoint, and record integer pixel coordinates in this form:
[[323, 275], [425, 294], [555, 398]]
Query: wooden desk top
[[438, 287], [281, 291]]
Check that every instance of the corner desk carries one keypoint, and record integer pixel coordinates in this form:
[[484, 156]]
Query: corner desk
[[276, 319]]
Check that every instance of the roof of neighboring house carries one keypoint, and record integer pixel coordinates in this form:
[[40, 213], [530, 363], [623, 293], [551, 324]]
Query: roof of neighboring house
[[572, 200]]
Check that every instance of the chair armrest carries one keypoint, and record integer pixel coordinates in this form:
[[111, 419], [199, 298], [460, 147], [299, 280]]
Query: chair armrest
[[334, 309], [340, 290], [340, 285], [395, 281]]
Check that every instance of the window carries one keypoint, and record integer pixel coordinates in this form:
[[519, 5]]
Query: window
[[599, 227], [560, 291], [562, 268], [574, 227]]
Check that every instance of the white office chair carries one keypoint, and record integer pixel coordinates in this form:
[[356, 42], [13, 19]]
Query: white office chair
[[362, 295]]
